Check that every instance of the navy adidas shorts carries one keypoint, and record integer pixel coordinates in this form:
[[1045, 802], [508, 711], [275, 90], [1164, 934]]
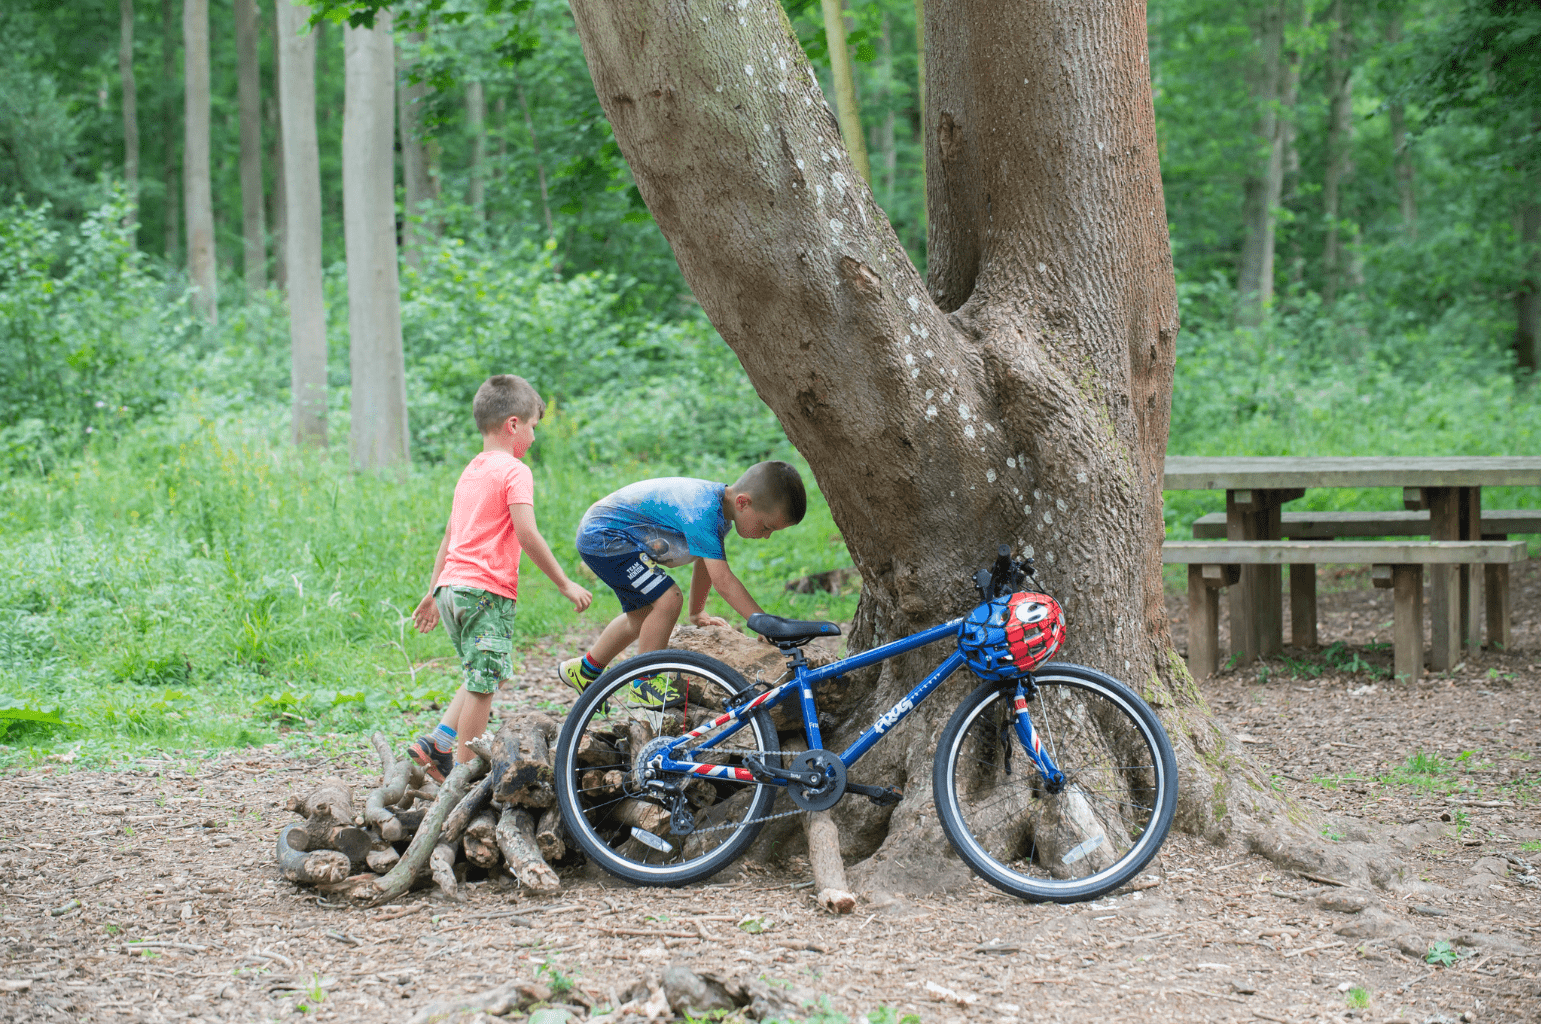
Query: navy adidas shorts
[[636, 579]]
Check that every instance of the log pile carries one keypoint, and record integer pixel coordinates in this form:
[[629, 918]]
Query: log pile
[[498, 814]]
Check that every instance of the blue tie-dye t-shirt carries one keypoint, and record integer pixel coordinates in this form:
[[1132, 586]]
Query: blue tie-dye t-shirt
[[671, 520]]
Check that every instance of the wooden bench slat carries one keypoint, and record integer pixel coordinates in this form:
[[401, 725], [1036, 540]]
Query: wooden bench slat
[[1326, 525], [1376, 552]]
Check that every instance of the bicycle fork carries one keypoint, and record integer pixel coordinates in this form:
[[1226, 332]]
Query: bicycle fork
[[1053, 778]]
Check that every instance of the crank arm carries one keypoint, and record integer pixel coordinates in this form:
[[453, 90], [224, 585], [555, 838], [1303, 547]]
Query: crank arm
[[812, 780]]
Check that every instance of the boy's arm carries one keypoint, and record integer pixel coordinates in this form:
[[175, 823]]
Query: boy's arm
[[728, 586], [426, 615], [540, 553], [700, 586]]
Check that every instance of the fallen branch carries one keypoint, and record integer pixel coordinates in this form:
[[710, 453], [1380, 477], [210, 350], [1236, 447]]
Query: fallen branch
[[516, 839], [317, 867], [396, 775]]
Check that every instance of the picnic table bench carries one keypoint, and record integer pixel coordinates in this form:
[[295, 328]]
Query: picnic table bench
[[1397, 564], [1448, 489], [1500, 525]]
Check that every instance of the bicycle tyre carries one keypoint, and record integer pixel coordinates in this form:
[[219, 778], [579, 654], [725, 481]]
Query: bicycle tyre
[[1109, 820], [605, 822]]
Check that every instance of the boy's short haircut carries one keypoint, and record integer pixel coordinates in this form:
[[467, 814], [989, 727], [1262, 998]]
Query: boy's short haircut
[[775, 485], [501, 396]]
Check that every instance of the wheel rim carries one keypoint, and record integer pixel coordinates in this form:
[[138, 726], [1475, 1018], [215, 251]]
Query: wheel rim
[[1097, 826], [624, 823]]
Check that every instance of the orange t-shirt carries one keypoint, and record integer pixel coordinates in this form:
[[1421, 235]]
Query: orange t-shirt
[[483, 548]]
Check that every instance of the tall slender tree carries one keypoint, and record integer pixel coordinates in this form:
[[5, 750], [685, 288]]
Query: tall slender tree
[[847, 109], [1401, 154], [1265, 178], [540, 166], [1340, 140], [197, 186], [170, 119], [1289, 128], [476, 124], [421, 185], [249, 93], [302, 222], [130, 105], [379, 432]]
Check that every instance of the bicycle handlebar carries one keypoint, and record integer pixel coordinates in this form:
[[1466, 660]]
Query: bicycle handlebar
[[1003, 577]]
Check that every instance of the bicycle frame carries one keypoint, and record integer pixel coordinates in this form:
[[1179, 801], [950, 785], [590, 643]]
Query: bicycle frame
[[805, 679]]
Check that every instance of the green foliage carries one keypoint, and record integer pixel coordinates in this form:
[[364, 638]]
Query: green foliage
[[1358, 998], [1441, 954]]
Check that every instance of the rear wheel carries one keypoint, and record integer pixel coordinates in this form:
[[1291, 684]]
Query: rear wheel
[[1100, 829], [692, 826]]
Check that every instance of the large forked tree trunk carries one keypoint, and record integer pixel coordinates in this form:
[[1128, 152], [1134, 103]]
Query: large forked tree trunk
[[249, 91], [197, 187], [302, 223], [379, 432], [1254, 280], [1022, 397]]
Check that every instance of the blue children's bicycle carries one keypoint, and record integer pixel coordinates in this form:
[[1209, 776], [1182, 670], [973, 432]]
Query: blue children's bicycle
[[1052, 781]]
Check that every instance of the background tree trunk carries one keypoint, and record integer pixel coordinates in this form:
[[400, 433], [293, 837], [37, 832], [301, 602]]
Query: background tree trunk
[[379, 432], [1028, 396], [197, 188], [130, 106], [302, 223], [540, 167], [848, 110], [1401, 155], [1527, 301], [1340, 138], [1289, 131], [476, 122], [278, 214], [885, 144], [920, 99], [169, 122], [1263, 184], [416, 170], [249, 91]]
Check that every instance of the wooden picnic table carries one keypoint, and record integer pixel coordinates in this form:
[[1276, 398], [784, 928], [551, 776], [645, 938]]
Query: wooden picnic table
[[1256, 487]]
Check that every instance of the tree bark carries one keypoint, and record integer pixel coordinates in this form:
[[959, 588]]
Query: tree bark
[[1265, 180], [379, 431], [1340, 137], [540, 168], [476, 123], [197, 187], [416, 165], [253, 196], [302, 229], [130, 106], [1290, 135], [849, 112], [278, 212], [1527, 301], [1401, 155], [169, 122]]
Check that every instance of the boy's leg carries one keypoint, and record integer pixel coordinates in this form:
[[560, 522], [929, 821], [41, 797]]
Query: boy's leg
[[647, 595], [662, 615], [480, 625], [475, 710]]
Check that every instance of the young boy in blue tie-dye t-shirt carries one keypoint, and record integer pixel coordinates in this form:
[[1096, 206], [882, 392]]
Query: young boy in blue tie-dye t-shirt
[[671, 522]]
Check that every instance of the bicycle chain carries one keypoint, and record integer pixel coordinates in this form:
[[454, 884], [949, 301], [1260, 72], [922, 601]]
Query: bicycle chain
[[750, 821]]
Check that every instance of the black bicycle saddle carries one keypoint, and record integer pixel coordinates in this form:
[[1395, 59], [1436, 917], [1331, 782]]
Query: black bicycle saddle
[[790, 631]]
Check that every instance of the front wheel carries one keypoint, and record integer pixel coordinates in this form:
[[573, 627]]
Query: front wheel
[[1099, 828]]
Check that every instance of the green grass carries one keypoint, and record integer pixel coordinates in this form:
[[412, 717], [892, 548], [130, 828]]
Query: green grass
[[190, 587], [1358, 998]]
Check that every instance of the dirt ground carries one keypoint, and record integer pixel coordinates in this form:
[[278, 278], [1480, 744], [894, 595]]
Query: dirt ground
[[176, 858]]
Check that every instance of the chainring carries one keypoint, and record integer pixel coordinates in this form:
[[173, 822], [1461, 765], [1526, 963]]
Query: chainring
[[827, 795]]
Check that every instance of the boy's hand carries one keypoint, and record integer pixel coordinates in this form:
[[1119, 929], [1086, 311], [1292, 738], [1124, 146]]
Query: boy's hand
[[704, 619], [577, 595], [426, 615]]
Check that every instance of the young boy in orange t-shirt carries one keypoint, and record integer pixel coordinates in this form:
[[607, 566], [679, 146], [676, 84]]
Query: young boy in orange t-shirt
[[475, 580]]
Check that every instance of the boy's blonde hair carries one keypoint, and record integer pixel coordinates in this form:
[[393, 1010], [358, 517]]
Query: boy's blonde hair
[[775, 486], [501, 396]]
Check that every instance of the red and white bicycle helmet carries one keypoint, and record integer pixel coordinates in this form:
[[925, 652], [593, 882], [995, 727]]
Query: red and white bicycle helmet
[[1011, 636]]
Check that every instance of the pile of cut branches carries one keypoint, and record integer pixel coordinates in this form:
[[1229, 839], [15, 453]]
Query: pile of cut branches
[[497, 812]]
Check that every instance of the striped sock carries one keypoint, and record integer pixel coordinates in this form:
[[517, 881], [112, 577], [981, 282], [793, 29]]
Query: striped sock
[[442, 738], [589, 667]]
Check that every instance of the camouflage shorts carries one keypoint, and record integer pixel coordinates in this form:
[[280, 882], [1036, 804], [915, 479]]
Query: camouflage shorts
[[481, 626]]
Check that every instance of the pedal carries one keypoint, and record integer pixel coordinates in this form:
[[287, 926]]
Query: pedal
[[883, 796]]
